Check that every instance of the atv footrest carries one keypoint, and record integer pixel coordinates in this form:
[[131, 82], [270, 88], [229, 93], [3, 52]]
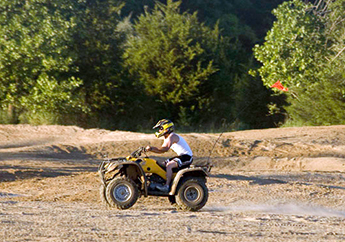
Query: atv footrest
[[157, 193]]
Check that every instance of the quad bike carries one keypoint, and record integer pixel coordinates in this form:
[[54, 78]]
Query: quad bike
[[124, 180]]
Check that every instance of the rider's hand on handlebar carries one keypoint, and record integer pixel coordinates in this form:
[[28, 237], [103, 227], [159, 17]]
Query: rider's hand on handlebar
[[148, 148]]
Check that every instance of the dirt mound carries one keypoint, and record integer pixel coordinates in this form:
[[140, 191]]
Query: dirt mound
[[265, 186], [59, 152], [283, 148]]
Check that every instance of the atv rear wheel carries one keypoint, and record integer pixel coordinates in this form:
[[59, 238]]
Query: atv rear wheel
[[192, 195], [122, 193]]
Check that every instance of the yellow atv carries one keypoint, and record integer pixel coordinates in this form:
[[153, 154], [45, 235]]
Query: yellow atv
[[124, 180]]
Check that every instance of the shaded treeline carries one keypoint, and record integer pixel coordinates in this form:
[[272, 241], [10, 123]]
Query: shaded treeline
[[125, 64]]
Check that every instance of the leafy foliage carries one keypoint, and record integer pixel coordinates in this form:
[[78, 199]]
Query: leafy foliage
[[97, 47], [114, 64], [34, 62], [171, 54], [301, 50], [294, 47]]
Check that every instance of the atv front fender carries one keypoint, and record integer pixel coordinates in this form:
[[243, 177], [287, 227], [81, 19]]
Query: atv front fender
[[192, 172], [131, 170]]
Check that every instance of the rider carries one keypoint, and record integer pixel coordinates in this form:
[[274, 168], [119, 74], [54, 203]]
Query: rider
[[176, 143]]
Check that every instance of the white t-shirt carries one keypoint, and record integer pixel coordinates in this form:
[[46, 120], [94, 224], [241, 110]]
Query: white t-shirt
[[181, 147]]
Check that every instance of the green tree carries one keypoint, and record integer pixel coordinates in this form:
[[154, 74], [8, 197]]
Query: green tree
[[97, 44], [241, 24], [172, 54], [301, 50], [294, 48], [34, 61]]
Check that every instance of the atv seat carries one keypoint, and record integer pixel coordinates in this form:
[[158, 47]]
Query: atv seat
[[161, 163]]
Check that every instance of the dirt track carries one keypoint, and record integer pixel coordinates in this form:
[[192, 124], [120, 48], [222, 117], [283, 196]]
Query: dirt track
[[266, 185]]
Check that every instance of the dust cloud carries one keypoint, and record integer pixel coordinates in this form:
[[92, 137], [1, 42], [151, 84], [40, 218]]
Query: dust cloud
[[285, 209]]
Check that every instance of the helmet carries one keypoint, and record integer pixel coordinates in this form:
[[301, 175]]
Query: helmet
[[165, 127]]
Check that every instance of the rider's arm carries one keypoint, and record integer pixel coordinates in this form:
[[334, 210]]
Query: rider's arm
[[162, 149], [165, 146]]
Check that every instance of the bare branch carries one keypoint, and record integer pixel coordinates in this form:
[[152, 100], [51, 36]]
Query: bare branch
[[338, 53]]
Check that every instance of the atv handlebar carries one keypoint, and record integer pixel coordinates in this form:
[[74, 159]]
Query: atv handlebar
[[137, 153]]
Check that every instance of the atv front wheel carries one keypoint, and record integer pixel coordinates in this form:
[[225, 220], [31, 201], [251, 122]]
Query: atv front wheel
[[102, 193], [192, 194], [122, 193]]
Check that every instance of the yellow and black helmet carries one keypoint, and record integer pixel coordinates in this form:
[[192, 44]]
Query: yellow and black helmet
[[165, 127]]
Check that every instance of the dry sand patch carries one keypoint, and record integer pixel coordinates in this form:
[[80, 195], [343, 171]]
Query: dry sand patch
[[266, 185]]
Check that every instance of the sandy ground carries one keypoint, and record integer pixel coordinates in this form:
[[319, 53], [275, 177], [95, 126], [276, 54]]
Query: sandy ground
[[266, 185]]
